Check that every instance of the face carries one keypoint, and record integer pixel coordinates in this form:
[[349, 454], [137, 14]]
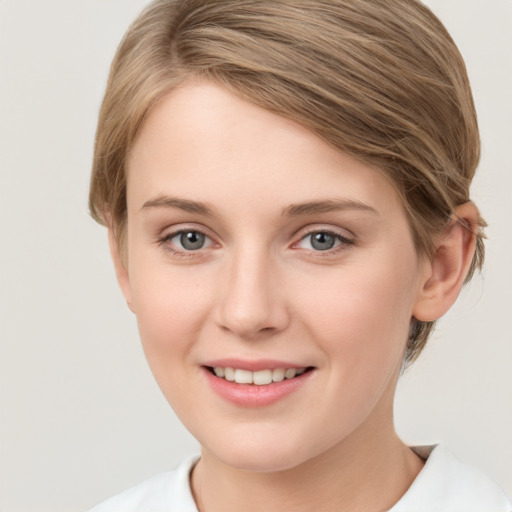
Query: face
[[257, 252]]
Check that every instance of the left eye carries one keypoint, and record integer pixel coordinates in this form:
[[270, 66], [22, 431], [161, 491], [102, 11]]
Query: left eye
[[190, 240], [321, 241]]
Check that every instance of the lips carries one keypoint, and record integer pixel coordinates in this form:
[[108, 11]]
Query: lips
[[258, 378], [255, 384]]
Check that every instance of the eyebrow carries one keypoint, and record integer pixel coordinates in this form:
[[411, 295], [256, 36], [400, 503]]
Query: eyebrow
[[330, 205], [175, 202], [293, 210]]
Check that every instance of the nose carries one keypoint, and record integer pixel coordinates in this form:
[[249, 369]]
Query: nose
[[252, 303]]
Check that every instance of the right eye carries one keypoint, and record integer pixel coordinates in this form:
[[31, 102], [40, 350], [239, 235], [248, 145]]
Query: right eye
[[189, 240], [324, 241]]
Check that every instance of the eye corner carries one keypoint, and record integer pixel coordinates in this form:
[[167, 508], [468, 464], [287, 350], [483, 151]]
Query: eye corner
[[327, 242], [185, 241]]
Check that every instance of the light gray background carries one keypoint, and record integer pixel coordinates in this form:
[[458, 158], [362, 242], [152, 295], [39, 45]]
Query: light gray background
[[80, 415]]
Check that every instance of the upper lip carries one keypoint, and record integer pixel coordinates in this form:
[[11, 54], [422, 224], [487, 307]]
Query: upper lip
[[252, 366]]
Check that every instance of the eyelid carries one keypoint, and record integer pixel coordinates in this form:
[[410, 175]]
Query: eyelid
[[166, 235], [207, 240], [184, 227], [343, 233], [339, 233]]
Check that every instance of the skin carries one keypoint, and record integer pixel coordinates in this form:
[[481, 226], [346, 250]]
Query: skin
[[206, 161]]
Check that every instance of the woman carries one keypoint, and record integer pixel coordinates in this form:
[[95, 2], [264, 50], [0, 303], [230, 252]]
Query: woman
[[286, 187]]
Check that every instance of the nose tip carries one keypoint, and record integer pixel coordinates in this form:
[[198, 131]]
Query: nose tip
[[252, 305], [248, 321]]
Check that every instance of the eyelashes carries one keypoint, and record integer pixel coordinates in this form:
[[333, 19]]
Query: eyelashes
[[323, 241], [190, 243], [186, 243], [190, 240]]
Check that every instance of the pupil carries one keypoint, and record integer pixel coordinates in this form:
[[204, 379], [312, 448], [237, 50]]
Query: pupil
[[192, 240], [322, 241]]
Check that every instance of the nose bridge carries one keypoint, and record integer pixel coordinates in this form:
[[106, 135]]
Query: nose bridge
[[251, 302]]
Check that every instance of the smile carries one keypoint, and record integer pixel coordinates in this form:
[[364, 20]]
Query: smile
[[251, 384], [258, 378]]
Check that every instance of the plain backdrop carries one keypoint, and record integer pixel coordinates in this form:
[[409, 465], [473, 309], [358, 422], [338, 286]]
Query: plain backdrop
[[80, 415]]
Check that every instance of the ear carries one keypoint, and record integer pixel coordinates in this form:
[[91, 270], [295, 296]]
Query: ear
[[445, 272], [120, 265]]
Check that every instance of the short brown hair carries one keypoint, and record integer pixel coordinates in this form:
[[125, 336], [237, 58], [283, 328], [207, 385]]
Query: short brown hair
[[381, 80]]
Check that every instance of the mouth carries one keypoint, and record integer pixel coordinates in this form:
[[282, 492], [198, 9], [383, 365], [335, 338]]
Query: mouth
[[262, 377], [260, 383]]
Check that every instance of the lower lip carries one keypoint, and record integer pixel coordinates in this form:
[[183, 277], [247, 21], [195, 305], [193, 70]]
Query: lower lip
[[251, 395]]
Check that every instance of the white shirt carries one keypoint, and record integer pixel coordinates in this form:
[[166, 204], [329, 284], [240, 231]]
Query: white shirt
[[443, 485]]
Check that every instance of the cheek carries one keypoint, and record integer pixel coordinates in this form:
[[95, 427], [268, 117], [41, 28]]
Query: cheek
[[360, 322], [171, 307], [362, 314]]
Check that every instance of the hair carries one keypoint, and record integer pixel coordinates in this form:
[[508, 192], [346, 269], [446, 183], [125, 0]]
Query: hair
[[381, 80]]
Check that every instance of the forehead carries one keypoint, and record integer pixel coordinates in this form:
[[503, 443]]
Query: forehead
[[204, 143]]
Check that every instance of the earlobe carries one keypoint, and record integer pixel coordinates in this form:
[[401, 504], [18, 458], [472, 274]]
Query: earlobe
[[120, 265], [447, 269]]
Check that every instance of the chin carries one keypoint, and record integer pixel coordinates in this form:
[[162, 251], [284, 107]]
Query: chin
[[262, 455], [262, 463]]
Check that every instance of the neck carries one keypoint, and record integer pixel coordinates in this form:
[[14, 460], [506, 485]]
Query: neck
[[370, 470]]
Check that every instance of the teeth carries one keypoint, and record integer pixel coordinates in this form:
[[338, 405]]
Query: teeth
[[290, 373], [229, 374], [278, 374], [243, 377], [263, 377], [259, 378]]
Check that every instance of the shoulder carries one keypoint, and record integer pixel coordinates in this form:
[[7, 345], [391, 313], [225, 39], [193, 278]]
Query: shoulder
[[167, 492], [447, 485]]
